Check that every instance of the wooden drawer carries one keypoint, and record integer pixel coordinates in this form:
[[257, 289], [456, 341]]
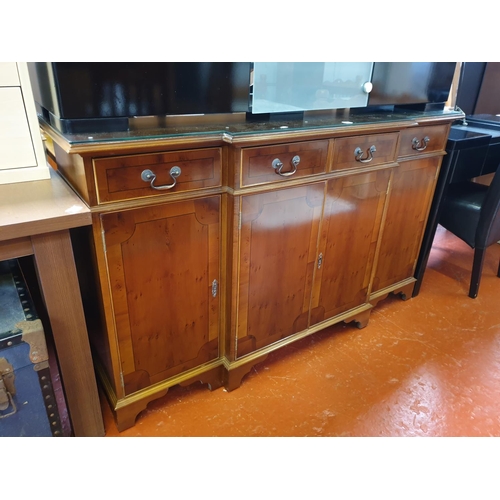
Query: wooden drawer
[[257, 163], [364, 150], [121, 177], [422, 140]]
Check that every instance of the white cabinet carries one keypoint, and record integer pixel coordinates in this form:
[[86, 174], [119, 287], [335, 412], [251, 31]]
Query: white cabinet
[[8, 75], [22, 156]]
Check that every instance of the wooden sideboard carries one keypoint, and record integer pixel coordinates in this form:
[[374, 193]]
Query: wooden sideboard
[[257, 237]]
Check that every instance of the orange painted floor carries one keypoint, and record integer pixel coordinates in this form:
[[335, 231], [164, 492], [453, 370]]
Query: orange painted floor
[[429, 366]]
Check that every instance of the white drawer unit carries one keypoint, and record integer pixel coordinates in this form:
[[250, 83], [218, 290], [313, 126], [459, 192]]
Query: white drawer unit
[[22, 156], [8, 75]]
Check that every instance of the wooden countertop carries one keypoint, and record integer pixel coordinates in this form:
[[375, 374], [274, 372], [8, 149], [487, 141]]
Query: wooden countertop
[[35, 218], [36, 207]]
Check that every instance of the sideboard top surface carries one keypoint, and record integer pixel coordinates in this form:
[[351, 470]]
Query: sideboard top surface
[[235, 129]]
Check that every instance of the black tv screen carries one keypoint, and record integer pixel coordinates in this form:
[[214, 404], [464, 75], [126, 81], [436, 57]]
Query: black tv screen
[[92, 90], [402, 83]]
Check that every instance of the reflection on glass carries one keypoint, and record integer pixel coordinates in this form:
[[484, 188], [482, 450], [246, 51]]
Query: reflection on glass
[[284, 87], [411, 82]]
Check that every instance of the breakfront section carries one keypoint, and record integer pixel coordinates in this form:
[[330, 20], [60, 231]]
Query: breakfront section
[[309, 216]]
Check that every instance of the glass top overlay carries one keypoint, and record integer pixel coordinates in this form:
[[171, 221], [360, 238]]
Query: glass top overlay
[[150, 128]]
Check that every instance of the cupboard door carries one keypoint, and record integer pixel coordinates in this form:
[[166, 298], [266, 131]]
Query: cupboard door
[[278, 244], [162, 263], [408, 207], [349, 232]]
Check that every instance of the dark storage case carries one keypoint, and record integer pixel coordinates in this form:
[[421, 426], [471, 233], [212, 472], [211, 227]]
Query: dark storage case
[[28, 405]]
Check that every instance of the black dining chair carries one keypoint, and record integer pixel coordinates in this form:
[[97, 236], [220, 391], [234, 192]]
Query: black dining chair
[[471, 211]]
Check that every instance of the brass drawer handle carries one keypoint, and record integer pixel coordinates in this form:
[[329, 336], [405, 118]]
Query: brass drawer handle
[[150, 176], [278, 165], [358, 154], [419, 146]]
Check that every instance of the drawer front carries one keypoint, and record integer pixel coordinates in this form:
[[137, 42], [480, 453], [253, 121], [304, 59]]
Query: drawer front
[[162, 262], [364, 151], [269, 164], [423, 140], [129, 177]]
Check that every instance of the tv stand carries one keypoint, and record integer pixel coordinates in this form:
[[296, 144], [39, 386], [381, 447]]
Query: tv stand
[[266, 236]]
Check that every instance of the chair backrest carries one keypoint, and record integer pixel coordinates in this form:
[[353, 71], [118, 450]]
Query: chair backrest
[[488, 228]]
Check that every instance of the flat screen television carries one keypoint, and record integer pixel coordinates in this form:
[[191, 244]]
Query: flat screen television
[[102, 96], [85, 97], [411, 84]]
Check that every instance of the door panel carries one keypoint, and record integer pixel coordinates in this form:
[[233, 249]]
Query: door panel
[[410, 197], [279, 232], [162, 262], [349, 233]]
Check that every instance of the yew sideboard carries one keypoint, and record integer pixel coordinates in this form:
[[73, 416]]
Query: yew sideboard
[[213, 245]]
